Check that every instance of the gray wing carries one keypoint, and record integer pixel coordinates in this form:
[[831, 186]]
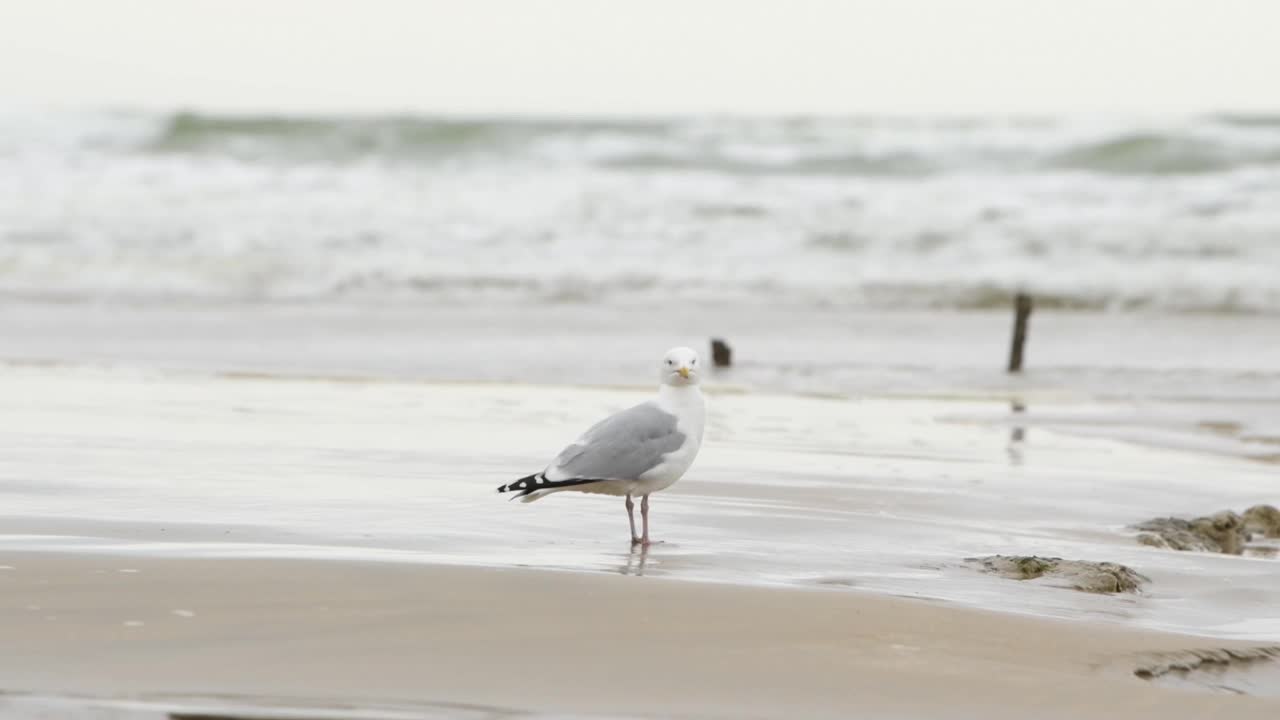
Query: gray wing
[[622, 446]]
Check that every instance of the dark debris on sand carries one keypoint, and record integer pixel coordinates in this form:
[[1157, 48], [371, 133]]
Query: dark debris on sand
[[1160, 664], [1263, 520], [1223, 532], [1082, 575]]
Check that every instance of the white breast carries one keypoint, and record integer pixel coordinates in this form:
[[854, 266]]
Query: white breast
[[689, 407]]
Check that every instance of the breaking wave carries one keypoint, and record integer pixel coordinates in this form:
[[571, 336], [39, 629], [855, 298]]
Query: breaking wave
[[878, 212], [824, 146]]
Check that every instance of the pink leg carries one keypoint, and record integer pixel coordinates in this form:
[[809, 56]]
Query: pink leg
[[631, 518], [644, 515]]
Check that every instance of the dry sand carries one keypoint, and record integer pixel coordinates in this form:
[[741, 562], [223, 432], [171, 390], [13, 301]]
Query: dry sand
[[330, 633]]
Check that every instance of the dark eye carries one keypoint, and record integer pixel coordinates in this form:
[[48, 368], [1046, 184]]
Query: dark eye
[[671, 362]]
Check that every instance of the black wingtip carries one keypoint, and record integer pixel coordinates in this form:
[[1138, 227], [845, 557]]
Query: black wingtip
[[538, 481], [524, 484]]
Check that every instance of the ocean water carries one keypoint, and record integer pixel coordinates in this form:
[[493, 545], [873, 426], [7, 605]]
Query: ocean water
[[852, 256], [1169, 215]]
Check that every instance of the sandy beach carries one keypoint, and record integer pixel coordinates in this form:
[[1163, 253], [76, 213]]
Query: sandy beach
[[431, 641], [249, 542]]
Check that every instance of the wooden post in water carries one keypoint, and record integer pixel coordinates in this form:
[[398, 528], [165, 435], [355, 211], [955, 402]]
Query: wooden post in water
[[721, 355], [1021, 313]]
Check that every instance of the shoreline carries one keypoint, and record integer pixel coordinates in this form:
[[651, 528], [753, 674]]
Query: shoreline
[[314, 632], [885, 495]]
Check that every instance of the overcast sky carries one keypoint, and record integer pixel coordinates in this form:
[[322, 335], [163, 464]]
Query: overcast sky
[[645, 56]]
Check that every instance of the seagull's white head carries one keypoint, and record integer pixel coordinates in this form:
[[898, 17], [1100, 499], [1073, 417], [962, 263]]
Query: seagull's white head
[[679, 367]]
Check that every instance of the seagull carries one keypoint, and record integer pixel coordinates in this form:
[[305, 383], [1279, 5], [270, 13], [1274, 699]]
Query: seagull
[[638, 451]]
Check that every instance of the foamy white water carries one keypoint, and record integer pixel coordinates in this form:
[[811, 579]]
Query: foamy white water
[[1172, 215]]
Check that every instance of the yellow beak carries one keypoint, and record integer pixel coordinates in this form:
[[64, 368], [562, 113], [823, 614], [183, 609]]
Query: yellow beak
[[684, 372]]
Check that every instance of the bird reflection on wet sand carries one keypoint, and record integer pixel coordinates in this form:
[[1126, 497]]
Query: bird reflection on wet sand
[[636, 561]]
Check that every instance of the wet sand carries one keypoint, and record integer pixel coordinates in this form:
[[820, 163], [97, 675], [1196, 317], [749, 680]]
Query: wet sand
[[321, 541], [326, 633], [887, 495]]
